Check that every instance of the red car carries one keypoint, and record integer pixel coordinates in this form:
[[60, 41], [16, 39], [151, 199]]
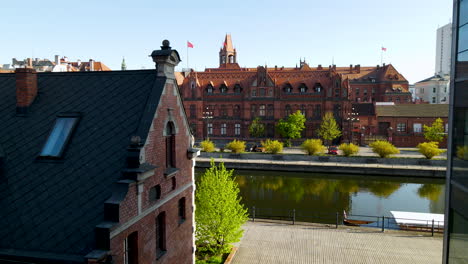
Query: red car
[[332, 150]]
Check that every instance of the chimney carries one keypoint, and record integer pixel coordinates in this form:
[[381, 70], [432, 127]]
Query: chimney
[[57, 60], [26, 89], [29, 63], [319, 67], [350, 68], [358, 68], [166, 59], [91, 65], [78, 62]]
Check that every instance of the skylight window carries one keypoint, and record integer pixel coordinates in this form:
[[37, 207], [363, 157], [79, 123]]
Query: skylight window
[[59, 136]]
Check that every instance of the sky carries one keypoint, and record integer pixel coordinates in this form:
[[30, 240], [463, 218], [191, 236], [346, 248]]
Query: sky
[[263, 32]]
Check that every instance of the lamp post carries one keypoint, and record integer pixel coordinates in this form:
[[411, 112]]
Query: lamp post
[[207, 116], [363, 132]]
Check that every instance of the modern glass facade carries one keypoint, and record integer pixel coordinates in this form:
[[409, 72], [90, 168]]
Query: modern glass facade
[[456, 236]]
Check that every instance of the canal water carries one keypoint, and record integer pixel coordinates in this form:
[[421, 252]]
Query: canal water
[[314, 195]]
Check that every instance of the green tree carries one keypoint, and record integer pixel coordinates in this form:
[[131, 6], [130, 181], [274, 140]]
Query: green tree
[[292, 127], [219, 213], [329, 129], [436, 131], [257, 129]]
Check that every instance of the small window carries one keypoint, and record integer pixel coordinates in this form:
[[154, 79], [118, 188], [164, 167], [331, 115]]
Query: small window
[[59, 137], [237, 88], [223, 129], [262, 110], [223, 89], [401, 127], [160, 235], [262, 91], [357, 90], [209, 89], [170, 145], [288, 89], [182, 216], [287, 110], [210, 128], [173, 183], [434, 90], [417, 128], [236, 110], [433, 100], [253, 110], [254, 92], [237, 129], [303, 88], [155, 193], [270, 110]]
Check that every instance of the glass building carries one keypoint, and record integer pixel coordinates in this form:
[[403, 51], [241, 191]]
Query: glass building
[[456, 212]]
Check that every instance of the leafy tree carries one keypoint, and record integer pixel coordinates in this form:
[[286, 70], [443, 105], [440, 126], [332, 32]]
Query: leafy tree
[[436, 131], [292, 127], [257, 129], [219, 213], [329, 129]]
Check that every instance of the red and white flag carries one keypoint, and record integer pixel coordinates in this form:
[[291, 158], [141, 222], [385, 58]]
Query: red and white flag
[[384, 49], [189, 44]]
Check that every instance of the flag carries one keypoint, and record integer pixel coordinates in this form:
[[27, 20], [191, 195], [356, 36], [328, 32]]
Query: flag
[[384, 49], [189, 44], [224, 44]]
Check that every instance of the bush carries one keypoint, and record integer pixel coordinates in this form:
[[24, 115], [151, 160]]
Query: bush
[[272, 146], [429, 149], [462, 152], [207, 145], [349, 149], [383, 148], [236, 146], [313, 146]]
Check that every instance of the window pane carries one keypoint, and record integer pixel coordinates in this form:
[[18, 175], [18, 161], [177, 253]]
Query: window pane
[[463, 38], [58, 137], [458, 239], [463, 17]]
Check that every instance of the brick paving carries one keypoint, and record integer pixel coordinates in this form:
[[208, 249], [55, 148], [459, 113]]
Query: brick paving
[[281, 243]]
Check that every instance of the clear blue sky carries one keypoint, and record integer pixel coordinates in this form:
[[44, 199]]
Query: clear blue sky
[[264, 32]]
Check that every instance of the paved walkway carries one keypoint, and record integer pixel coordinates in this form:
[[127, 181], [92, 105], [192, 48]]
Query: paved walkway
[[279, 243]]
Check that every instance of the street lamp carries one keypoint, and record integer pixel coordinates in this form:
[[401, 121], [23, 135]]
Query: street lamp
[[207, 115]]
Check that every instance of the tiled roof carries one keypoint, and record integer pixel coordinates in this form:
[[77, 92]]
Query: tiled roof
[[413, 110], [54, 206]]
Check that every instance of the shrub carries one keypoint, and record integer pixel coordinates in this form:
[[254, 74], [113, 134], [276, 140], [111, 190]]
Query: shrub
[[383, 148], [429, 149], [349, 149], [313, 146], [272, 146], [236, 146], [462, 152], [207, 145]]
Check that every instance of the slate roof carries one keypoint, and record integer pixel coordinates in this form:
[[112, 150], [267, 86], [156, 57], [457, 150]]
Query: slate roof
[[364, 109], [413, 110], [54, 206]]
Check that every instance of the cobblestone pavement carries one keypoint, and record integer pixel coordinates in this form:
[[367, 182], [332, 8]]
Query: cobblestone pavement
[[281, 243]]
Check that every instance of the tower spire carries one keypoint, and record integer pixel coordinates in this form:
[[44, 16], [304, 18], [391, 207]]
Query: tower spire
[[227, 54], [123, 66]]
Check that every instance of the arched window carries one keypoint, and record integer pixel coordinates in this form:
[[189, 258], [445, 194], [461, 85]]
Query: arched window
[[160, 234], [223, 89], [237, 88], [303, 88], [170, 145], [231, 59], [209, 89], [318, 88], [288, 89]]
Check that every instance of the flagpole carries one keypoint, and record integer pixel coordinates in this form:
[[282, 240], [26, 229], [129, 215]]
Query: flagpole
[[381, 54], [187, 54]]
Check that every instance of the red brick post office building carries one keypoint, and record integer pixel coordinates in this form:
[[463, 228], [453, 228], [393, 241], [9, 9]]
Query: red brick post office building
[[96, 167]]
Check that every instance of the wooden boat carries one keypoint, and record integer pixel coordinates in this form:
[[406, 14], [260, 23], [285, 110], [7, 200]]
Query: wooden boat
[[350, 222]]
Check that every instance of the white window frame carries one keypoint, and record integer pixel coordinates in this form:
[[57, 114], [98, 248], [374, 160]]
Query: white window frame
[[417, 127], [237, 129], [223, 129]]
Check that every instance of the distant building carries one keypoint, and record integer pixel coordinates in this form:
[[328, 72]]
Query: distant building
[[96, 167], [58, 65], [443, 49], [412, 90], [434, 90], [222, 102]]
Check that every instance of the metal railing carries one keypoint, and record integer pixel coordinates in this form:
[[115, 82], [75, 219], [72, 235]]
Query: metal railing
[[336, 219]]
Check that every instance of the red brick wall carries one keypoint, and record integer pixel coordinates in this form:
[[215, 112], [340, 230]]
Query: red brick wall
[[179, 242]]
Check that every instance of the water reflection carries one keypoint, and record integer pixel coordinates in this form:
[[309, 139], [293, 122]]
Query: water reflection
[[280, 192]]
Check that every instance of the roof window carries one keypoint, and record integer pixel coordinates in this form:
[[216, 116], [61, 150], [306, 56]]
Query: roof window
[[59, 136]]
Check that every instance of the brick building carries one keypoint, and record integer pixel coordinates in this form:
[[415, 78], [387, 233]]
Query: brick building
[[96, 167], [222, 102]]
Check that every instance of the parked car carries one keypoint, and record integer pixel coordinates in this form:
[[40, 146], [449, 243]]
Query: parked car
[[332, 150]]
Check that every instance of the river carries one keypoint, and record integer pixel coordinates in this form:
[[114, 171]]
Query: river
[[309, 194]]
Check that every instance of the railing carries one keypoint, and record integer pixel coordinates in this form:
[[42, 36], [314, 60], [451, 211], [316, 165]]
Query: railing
[[335, 219]]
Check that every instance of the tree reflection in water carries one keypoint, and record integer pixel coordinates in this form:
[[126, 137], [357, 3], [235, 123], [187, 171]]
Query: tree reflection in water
[[430, 191]]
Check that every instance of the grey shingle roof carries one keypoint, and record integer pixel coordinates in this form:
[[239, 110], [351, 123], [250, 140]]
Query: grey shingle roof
[[54, 206]]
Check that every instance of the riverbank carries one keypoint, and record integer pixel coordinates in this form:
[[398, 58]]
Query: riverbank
[[407, 167]]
